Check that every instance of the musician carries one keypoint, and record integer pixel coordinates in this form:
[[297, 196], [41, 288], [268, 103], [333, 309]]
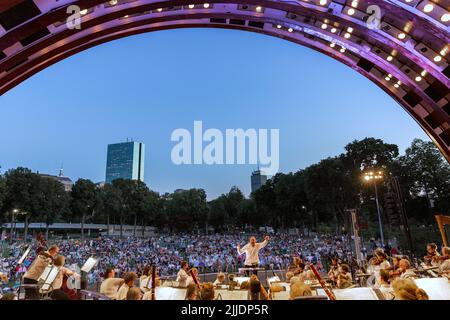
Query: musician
[[220, 280], [183, 278], [445, 261], [299, 290], [110, 285], [43, 259], [298, 267], [433, 254], [251, 251], [56, 292], [257, 291], [334, 270], [405, 270], [406, 289], [148, 294], [207, 292], [382, 259], [130, 279], [344, 279], [145, 279], [134, 294], [192, 292]]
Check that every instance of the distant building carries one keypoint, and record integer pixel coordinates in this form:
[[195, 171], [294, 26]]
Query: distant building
[[100, 184], [65, 181], [258, 180], [125, 161]]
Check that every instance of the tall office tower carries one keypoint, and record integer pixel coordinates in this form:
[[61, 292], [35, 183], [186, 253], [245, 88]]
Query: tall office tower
[[258, 180], [126, 161]]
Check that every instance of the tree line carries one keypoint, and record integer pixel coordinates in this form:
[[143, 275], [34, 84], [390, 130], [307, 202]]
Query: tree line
[[316, 197]]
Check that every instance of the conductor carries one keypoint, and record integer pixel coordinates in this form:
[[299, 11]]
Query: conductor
[[251, 251]]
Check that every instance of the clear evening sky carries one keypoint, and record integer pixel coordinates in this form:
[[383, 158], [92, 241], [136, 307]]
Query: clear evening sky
[[144, 87]]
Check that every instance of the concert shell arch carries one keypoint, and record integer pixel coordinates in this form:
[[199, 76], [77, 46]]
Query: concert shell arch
[[407, 55]]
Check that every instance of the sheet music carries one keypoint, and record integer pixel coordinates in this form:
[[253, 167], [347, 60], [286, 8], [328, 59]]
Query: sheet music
[[166, 293], [90, 263], [232, 295], [352, 294], [437, 289]]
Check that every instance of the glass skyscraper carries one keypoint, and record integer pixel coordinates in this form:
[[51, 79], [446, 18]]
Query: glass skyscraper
[[258, 180], [126, 161]]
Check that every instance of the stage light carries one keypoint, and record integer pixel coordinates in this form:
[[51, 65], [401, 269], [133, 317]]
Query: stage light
[[324, 26], [396, 85], [333, 30], [159, 9], [390, 75], [83, 12], [437, 59], [389, 58], [423, 73], [332, 45], [342, 50], [191, 6], [428, 8], [258, 9], [290, 29], [126, 16], [323, 2], [418, 78], [408, 1], [354, 3], [351, 11], [347, 35], [387, 79], [350, 29], [399, 82], [445, 17], [113, 2], [206, 5], [278, 26], [401, 36]]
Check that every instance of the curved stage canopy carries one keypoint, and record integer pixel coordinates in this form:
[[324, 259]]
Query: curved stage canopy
[[406, 54]]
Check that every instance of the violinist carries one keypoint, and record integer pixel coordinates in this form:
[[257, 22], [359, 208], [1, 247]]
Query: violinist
[[334, 270], [382, 259], [183, 277], [43, 259], [445, 261], [432, 257], [406, 270]]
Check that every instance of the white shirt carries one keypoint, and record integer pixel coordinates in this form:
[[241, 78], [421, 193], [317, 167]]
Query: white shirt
[[252, 252], [122, 293], [110, 286], [145, 283], [445, 266], [183, 278], [37, 267]]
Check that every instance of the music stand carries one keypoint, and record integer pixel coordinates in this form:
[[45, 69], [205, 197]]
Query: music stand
[[24, 256], [47, 277], [89, 264]]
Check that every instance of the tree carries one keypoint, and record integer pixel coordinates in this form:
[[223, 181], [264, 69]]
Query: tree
[[83, 200], [51, 201]]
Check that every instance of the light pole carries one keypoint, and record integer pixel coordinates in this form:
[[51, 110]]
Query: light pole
[[374, 176], [13, 213]]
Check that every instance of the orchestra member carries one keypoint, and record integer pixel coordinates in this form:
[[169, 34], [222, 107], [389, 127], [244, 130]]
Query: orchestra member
[[406, 289], [207, 292], [146, 279], [43, 259], [298, 267], [183, 278], [405, 269], [110, 285], [129, 279], [149, 294], [251, 251], [257, 291], [220, 280], [289, 276], [383, 280], [445, 264], [192, 292], [395, 268], [57, 293], [432, 254], [299, 290], [231, 282], [134, 294], [382, 259], [334, 270]]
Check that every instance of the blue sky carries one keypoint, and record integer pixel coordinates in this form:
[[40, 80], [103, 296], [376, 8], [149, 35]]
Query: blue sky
[[146, 86]]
